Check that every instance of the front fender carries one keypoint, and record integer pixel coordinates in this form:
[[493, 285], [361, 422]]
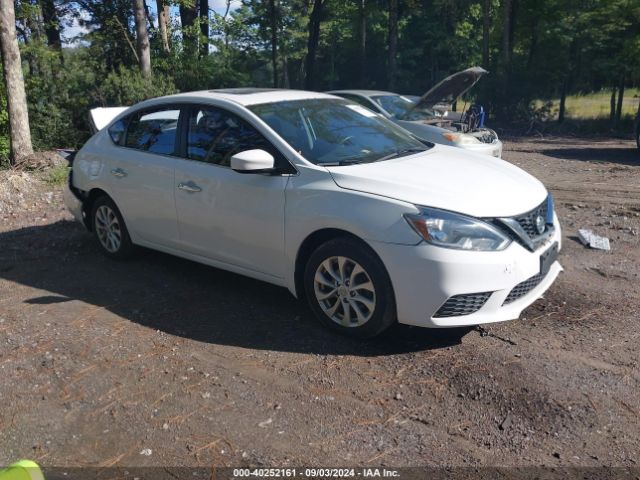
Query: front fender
[[314, 202]]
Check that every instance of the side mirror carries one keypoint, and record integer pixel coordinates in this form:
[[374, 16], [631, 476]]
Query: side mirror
[[253, 161]]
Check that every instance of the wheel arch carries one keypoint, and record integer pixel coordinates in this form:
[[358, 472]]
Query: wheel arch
[[311, 243], [87, 205]]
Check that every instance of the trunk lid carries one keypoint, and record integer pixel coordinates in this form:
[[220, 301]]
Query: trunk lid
[[100, 117]]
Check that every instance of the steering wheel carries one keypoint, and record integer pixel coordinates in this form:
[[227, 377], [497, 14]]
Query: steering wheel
[[345, 139]]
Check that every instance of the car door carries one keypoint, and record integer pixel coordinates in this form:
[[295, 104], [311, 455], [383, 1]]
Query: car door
[[224, 215], [143, 175]]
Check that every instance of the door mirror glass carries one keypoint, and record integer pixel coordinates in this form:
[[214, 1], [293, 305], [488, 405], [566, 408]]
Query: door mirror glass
[[252, 161]]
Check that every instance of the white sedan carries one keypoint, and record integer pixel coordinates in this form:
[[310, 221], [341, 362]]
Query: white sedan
[[321, 196]]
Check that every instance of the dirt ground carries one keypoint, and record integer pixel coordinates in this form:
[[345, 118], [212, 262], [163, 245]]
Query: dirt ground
[[161, 361]]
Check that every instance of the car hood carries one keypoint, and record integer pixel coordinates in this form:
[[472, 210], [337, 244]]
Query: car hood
[[450, 179], [452, 87]]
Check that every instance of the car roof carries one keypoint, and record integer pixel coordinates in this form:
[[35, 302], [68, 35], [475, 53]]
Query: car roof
[[248, 96], [362, 93]]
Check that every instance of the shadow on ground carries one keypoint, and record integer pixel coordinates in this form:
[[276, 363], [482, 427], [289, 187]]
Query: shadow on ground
[[623, 156], [183, 298]]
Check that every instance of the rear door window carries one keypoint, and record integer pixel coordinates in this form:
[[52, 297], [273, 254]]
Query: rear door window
[[154, 131]]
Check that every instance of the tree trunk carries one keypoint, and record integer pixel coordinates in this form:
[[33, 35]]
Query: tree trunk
[[533, 46], [29, 32], [51, 25], [563, 101], [332, 58], [188, 16], [567, 83], [486, 28], [506, 58], [273, 17], [393, 43], [312, 44], [363, 43], [506, 32], [20, 134], [226, 26], [204, 28], [34, 22], [163, 24], [512, 27], [30, 56], [612, 104], [285, 72], [620, 101], [142, 38]]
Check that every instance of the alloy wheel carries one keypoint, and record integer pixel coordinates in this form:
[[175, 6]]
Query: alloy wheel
[[344, 291], [108, 229]]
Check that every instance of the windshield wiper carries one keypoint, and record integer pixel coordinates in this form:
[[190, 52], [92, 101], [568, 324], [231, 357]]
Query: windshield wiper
[[340, 163], [355, 161], [402, 153]]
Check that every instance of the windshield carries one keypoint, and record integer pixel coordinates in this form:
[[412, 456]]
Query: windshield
[[402, 107], [336, 131]]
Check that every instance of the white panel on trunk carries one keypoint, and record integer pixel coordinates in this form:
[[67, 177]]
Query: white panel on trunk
[[102, 116]]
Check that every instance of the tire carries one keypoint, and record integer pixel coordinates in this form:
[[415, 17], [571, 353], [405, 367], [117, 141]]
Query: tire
[[114, 241], [359, 304]]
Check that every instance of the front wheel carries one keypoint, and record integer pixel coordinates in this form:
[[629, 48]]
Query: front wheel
[[348, 288]]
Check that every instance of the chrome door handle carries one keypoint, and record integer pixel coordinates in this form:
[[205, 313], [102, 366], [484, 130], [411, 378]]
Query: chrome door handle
[[189, 187], [118, 172]]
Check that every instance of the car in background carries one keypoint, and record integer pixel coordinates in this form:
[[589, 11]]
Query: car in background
[[429, 117], [314, 193]]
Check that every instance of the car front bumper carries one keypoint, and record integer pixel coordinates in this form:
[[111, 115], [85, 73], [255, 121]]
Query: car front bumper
[[425, 277], [493, 149]]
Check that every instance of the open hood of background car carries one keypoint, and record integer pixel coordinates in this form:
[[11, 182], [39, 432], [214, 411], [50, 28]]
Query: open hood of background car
[[452, 87], [101, 117]]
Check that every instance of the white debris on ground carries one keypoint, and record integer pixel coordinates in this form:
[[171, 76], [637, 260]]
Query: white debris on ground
[[591, 240]]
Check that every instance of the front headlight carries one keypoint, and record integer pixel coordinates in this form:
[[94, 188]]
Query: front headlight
[[460, 138], [452, 230]]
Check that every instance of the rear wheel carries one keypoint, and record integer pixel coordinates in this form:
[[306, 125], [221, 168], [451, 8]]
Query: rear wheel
[[110, 230], [348, 289]]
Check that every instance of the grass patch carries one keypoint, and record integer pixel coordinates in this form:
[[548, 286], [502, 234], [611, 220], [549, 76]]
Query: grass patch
[[596, 105], [57, 175]]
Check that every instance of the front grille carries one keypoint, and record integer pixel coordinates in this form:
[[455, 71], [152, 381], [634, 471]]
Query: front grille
[[465, 304], [523, 288], [523, 229], [528, 220]]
